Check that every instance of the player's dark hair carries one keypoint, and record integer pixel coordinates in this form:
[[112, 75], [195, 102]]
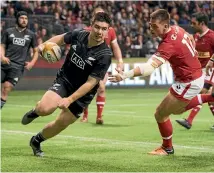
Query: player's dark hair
[[98, 9], [161, 15], [102, 17], [201, 17], [20, 13]]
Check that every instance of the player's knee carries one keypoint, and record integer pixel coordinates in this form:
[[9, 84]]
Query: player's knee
[[44, 110], [159, 115], [204, 91], [6, 88], [101, 88]]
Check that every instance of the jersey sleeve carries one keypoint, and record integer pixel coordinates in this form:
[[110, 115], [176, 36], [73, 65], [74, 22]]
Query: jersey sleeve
[[212, 41], [69, 36], [4, 38], [113, 35], [165, 50], [33, 41], [101, 67]]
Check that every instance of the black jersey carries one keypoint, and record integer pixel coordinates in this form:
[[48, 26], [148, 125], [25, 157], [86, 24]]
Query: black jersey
[[17, 45], [81, 61]]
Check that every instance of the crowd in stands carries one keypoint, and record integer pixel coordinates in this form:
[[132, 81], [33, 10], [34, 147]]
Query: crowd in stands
[[131, 19]]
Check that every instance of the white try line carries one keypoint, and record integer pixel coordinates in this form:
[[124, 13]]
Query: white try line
[[115, 142]]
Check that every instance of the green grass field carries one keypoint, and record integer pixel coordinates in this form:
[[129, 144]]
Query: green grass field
[[120, 145]]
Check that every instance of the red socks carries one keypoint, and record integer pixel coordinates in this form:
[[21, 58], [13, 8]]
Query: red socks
[[193, 113], [100, 105], [199, 99], [166, 130]]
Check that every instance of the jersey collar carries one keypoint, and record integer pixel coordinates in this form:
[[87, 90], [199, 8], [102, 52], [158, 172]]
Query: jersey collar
[[201, 35]]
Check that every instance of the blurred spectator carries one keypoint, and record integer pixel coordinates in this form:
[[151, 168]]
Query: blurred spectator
[[26, 7], [127, 47], [130, 18], [44, 35], [38, 7]]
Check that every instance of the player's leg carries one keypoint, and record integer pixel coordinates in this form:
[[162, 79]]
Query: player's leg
[[3, 76], [100, 100], [177, 101], [187, 122], [53, 128], [169, 105], [211, 104], [48, 104], [10, 78], [85, 115], [210, 82]]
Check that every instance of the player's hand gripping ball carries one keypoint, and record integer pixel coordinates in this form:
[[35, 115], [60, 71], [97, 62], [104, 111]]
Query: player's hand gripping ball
[[51, 52]]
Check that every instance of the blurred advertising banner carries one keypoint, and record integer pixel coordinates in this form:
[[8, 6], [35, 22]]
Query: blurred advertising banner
[[43, 74]]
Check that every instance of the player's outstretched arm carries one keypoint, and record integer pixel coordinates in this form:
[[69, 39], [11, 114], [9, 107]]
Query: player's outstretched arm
[[84, 89], [144, 69], [58, 39]]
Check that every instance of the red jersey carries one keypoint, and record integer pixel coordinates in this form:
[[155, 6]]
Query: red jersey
[[177, 48], [205, 46], [111, 36]]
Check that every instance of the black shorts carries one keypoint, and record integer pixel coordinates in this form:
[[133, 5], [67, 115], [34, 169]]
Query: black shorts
[[11, 74], [62, 88]]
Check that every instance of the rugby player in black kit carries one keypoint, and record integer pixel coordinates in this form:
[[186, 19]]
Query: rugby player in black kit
[[15, 46], [77, 81]]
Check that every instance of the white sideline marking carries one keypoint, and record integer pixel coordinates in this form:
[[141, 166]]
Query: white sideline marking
[[119, 142]]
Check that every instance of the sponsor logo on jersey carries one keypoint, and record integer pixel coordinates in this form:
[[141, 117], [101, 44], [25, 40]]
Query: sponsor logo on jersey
[[90, 60], [74, 47], [19, 41], [11, 35], [204, 54], [26, 37], [76, 59]]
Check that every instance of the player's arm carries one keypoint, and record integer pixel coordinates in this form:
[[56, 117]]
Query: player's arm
[[210, 63], [35, 55], [97, 74], [4, 60], [33, 44], [116, 49], [144, 69], [58, 39], [117, 54], [84, 89]]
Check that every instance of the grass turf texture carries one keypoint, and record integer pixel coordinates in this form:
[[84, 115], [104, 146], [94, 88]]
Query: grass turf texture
[[120, 145]]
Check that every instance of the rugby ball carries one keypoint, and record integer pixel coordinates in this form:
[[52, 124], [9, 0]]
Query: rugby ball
[[51, 52]]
